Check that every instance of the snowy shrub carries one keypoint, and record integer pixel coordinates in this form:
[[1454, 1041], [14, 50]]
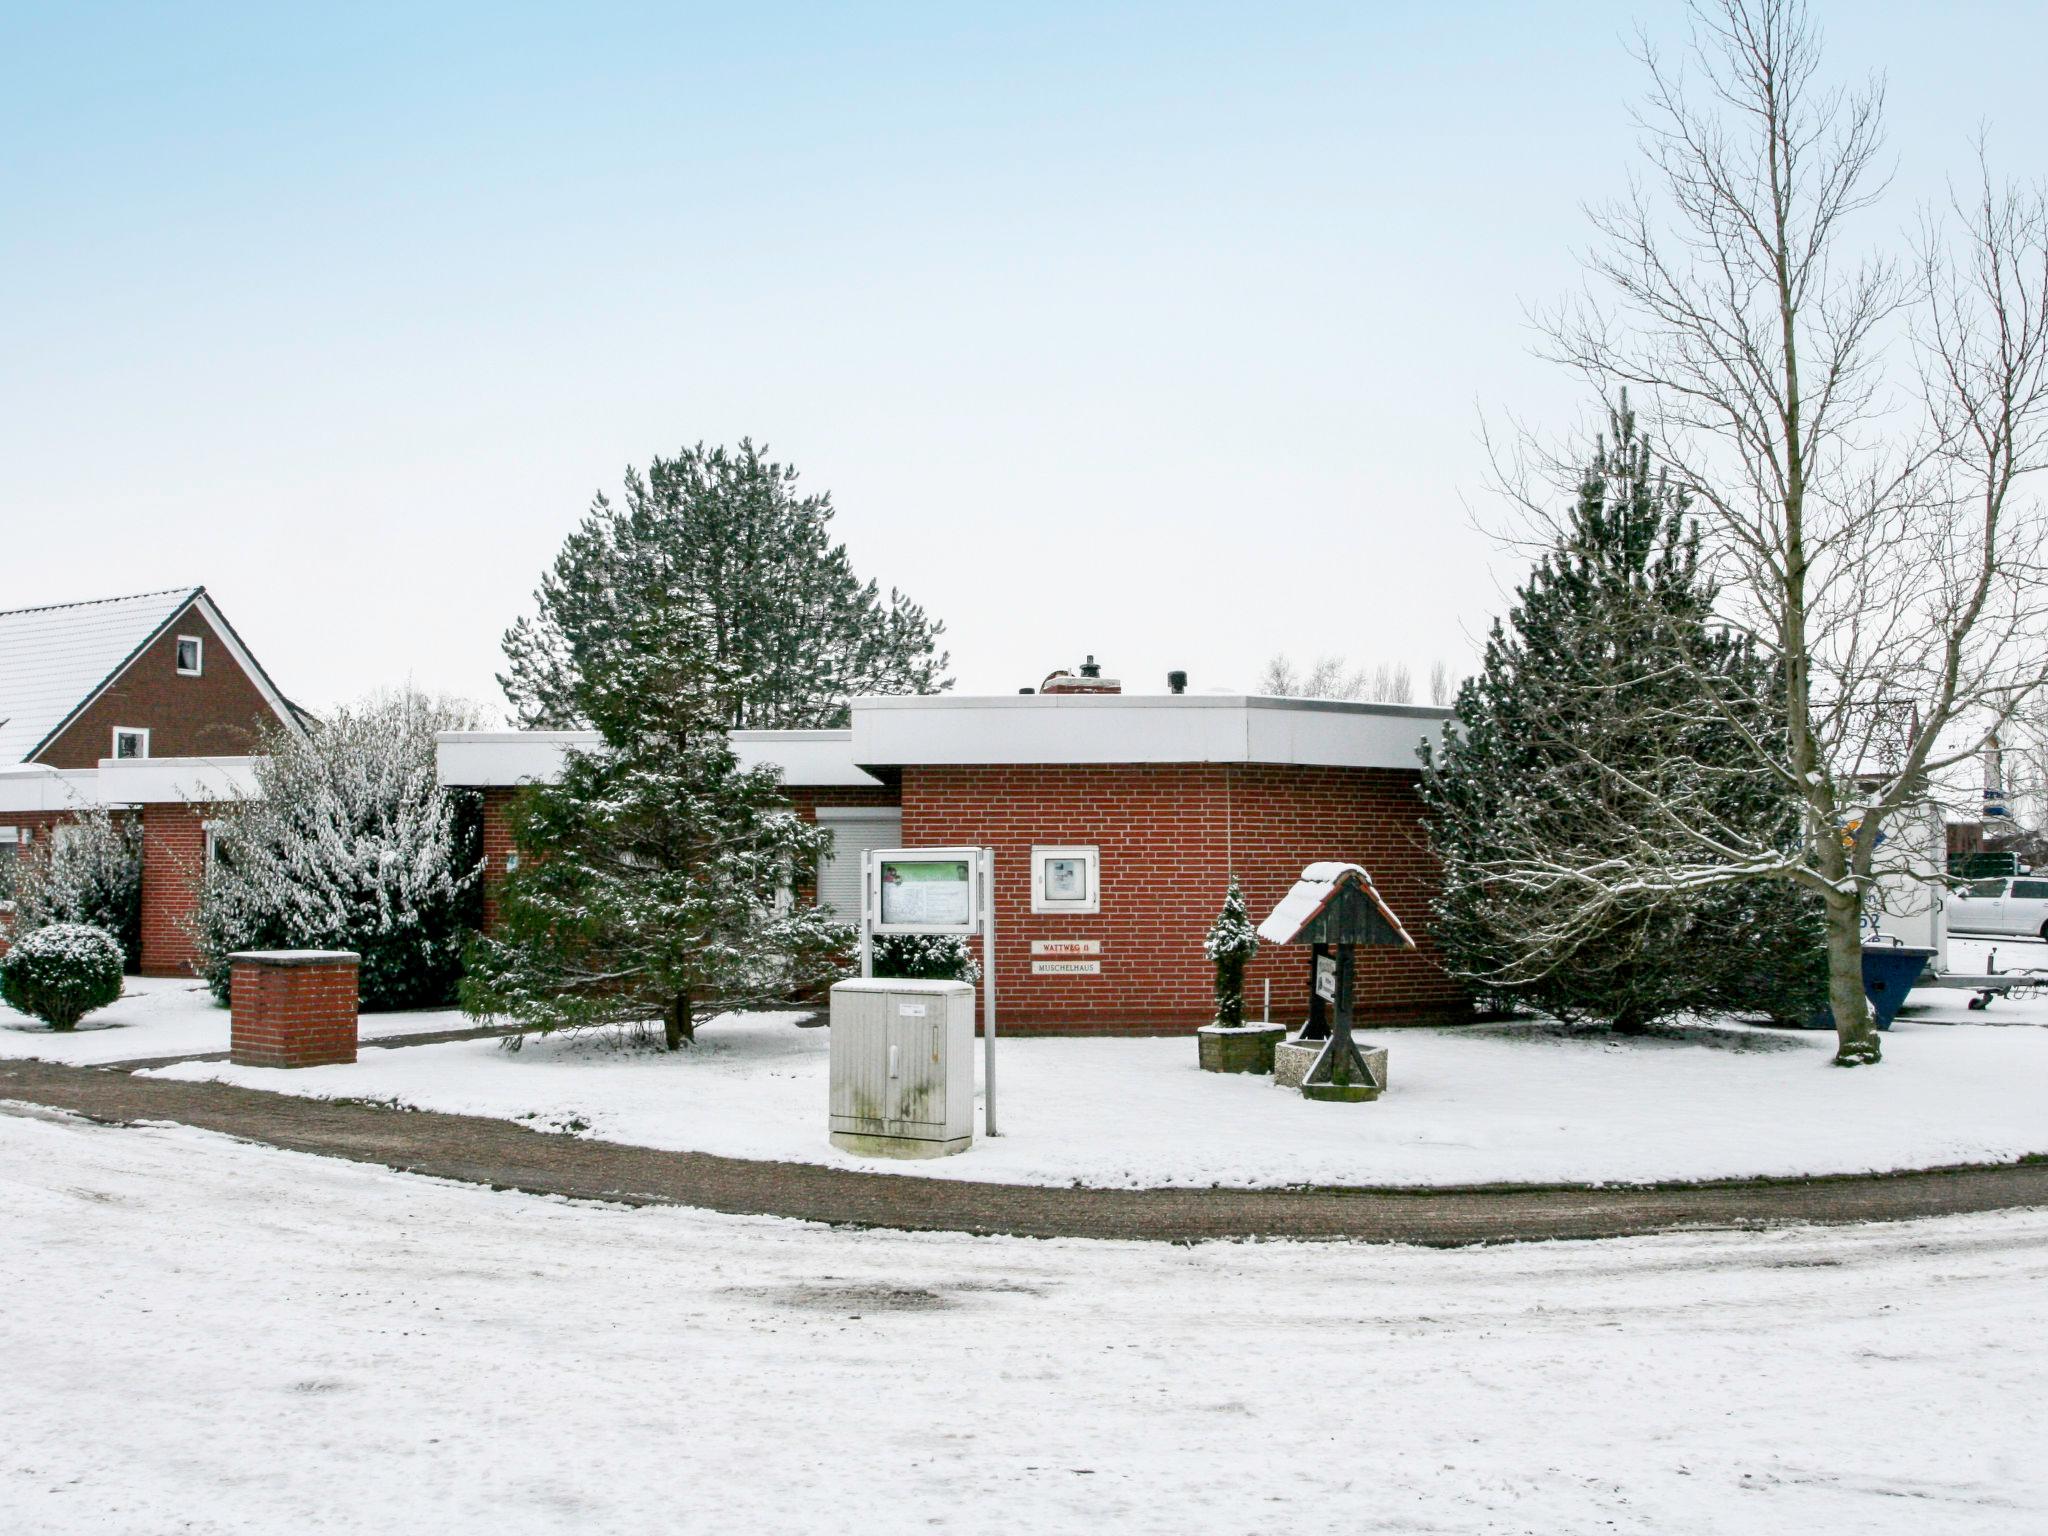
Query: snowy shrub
[[349, 841], [61, 973], [88, 871], [925, 957], [1230, 946]]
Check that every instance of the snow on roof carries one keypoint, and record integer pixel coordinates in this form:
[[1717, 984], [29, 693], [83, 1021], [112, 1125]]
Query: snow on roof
[[52, 659], [1311, 893]]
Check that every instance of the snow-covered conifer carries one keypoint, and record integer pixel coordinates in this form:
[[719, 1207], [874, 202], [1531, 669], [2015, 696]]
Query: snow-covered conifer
[[725, 530], [656, 875], [1231, 943], [1612, 714]]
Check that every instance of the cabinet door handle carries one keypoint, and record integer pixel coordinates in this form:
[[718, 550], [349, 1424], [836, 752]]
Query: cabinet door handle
[[892, 1058]]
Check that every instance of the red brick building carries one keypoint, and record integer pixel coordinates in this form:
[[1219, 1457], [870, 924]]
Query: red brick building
[[1144, 805], [149, 703]]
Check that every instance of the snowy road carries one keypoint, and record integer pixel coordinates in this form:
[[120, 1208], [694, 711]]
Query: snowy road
[[202, 1336]]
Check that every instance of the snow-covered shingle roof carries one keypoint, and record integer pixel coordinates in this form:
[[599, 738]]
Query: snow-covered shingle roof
[[53, 659]]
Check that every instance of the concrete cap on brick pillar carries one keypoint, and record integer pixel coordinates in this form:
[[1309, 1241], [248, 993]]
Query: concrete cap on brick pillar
[[295, 957]]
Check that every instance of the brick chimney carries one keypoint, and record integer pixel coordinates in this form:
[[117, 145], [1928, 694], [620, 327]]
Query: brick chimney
[[1090, 680]]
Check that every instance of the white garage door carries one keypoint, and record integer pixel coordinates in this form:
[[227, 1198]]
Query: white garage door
[[854, 832]]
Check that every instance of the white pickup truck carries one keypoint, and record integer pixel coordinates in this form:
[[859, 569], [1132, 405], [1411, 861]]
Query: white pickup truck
[[2017, 906]]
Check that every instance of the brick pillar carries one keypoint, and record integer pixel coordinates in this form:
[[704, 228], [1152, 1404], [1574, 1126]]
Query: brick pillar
[[173, 864], [498, 849], [293, 1007]]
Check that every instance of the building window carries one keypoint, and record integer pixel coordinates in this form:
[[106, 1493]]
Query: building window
[[129, 742], [1066, 880], [191, 655], [11, 839]]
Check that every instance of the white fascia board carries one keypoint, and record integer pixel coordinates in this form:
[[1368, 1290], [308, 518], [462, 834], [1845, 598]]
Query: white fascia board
[[490, 759], [33, 787], [1144, 728], [176, 780], [494, 759], [808, 759]]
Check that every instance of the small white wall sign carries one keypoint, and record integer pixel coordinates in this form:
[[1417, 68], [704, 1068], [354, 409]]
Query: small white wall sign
[[1068, 947], [1066, 967]]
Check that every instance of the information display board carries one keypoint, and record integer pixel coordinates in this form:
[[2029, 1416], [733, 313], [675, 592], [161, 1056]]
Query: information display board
[[925, 890]]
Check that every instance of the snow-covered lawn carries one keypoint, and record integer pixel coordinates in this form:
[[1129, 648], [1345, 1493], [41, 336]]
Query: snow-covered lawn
[[205, 1336], [170, 1016], [1516, 1103]]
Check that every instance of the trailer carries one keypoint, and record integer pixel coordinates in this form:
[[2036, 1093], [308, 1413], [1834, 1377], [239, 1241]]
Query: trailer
[[1911, 901]]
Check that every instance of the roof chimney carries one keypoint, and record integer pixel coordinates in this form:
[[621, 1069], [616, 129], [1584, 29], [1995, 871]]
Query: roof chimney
[[1090, 680], [1176, 682]]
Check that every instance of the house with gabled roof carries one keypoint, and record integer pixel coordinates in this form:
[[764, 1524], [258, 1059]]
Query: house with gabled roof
[[154, 674], [150, 703]]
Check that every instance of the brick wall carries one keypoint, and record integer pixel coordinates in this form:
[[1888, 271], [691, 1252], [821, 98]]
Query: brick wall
[[173, 864], [1170, 836], [293, 1014], [219, 713]]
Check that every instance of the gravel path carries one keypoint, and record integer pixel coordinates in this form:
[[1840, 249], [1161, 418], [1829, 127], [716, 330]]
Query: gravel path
[[506, 1156]]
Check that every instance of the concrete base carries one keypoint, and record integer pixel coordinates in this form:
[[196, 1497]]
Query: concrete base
[[1332, 1093], [1247, 1048], [1292, 1060], [898, 1146]]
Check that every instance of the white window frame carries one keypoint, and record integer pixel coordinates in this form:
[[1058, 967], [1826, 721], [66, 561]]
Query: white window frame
[[130, 730], [14, 837], [198, 667], [1091, 860]]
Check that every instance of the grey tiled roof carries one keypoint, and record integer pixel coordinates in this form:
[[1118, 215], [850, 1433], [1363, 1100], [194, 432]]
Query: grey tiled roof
[[52, 659]]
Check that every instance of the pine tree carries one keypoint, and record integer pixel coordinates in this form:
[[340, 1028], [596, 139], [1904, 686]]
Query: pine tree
[[1608, 701], [1231, 943], [726, 532], [656, 874]]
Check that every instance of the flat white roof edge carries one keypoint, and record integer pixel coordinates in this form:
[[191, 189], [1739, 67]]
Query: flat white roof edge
[[1108, 701]]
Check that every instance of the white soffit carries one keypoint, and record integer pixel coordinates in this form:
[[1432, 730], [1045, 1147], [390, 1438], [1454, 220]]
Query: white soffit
[[490, 759], [1142, 728]]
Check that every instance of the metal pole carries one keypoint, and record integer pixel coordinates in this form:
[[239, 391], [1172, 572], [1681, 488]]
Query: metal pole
[[1266, 1016], [988, 984], [867, 918]]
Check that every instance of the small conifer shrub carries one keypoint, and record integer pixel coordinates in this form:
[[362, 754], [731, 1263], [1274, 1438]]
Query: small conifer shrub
[[61, 973]]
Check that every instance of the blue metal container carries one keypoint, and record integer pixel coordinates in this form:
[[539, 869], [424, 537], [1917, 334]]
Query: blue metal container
[[1889, 971]]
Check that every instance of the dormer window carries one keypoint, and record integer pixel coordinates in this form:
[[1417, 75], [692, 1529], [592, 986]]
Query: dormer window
[[129, 742], [191, 656]]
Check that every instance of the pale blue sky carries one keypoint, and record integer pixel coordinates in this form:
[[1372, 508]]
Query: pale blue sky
[[1162, 332]]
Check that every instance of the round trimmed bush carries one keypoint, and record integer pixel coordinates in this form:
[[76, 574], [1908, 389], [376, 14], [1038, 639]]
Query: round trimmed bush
[[61, 973]]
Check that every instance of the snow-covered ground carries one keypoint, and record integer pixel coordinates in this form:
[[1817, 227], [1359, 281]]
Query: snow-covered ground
[[171, 1016], [205, 1336], [1517, 1103]]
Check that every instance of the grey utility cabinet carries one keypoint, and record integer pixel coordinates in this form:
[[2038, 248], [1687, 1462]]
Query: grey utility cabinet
[[903, 1067]]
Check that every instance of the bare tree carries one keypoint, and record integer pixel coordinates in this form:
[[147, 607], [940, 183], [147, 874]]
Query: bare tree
[[1331, 677], [1443, 684], [1855, 429]]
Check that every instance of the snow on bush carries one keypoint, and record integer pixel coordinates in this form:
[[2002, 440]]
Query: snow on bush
[[925, 957], [61, 973], [1231, 943], [88, 871], [349, 841]]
